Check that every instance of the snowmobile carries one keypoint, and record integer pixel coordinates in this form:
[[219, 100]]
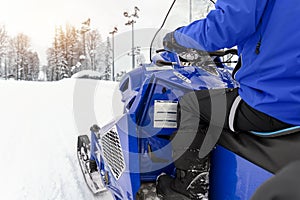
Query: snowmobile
[[127, 155]]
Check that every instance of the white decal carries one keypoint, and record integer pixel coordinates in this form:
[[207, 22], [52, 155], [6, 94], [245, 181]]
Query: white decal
[[165, 114]]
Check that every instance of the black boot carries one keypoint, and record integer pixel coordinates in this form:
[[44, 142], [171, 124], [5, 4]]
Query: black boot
[[164, 190], [193, 182], [189, 183]]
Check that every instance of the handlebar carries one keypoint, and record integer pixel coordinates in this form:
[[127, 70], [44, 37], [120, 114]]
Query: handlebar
[[223, 52], [219, 53], [212, 53]]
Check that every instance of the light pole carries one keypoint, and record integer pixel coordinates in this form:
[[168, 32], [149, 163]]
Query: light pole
[[113, 52], [191, 10], [84, 28], [131, 22]]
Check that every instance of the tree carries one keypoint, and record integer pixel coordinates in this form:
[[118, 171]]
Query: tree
[[3, 45], [201, 8], [19, 47], [64, 53], [23, 62], [72, 45], [108, 60], [53, 59], [94, 47], [33, 66], [70, 52]]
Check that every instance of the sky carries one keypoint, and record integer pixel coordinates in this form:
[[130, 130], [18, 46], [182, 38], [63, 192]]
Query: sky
[[38, 18]]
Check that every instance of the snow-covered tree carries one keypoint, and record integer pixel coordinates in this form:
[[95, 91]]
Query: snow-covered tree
[[64, 53], [201, 8], [107, 60], [95, 50], [53, 57], [72, 45], [33, 66], [68, 54], [120, 75], [22, 61], [3, 46]]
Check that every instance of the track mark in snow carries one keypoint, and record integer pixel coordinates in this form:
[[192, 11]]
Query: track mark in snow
[[39, 141]]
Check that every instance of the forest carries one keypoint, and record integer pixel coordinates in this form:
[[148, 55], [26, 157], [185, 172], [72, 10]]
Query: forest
[[72, 50]]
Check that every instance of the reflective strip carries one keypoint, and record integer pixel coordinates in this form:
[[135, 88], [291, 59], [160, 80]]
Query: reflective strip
[[281, 132], [233, 109]]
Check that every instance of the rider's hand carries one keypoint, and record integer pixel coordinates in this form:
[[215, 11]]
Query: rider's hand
[[170, 43]]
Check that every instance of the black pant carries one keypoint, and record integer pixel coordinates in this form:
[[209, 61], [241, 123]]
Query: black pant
[[204, 121]]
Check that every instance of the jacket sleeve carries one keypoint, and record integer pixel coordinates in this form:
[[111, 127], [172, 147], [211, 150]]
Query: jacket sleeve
[[231, 22]]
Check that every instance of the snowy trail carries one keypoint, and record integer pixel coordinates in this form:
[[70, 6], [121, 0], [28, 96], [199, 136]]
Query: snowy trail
[[39, 124]]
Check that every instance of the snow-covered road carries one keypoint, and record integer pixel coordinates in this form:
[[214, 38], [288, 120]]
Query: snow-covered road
[[39, 125]]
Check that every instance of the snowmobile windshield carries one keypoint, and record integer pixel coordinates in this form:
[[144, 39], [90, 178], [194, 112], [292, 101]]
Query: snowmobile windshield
[[181, 13]]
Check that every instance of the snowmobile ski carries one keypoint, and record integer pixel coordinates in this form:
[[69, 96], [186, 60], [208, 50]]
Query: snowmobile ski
[[88, 167]]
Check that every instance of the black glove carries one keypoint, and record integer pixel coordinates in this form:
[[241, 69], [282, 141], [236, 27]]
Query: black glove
[[170, 43]]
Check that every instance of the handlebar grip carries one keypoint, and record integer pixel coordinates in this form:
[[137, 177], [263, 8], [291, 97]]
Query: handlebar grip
[[223, 53], [164, 63]]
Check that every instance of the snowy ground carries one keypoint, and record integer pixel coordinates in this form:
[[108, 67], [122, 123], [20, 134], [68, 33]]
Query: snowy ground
[[39, 124]]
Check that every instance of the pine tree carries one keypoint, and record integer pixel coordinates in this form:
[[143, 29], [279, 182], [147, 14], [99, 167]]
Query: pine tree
[[3, 49], [108, 60]]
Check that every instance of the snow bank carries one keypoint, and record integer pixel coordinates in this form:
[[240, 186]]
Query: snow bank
[[40, 122]]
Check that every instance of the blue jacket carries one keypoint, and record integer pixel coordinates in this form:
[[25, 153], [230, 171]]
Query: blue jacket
[[269, 81]]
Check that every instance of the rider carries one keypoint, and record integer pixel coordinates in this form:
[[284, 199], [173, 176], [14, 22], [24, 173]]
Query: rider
[[266, 33]]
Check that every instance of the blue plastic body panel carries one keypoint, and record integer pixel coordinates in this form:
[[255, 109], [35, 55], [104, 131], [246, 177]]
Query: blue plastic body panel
[[234, 178], [146, 150]]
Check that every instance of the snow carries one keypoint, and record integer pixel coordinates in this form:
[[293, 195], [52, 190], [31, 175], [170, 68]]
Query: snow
[[40, 122], [87, 73]]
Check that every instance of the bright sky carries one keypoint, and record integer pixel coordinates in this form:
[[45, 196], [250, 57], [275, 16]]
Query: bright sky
[[38, 18]]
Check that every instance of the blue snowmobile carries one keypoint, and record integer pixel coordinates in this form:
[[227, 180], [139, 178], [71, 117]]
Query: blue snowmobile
[[127, 155]]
